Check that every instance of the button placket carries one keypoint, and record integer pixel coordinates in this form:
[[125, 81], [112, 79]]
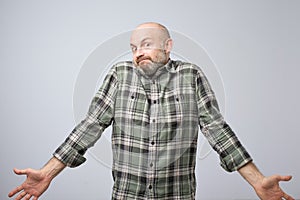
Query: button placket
[[154, 116]]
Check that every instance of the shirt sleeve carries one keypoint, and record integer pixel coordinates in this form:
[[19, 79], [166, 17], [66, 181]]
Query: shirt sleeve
[[218, 133], [88, 131]]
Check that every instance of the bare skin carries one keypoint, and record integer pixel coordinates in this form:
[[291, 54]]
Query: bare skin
[[266, 188], [37, 181], [151, 46]]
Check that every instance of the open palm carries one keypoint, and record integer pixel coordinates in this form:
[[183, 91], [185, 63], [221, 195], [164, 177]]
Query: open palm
[[35, 184], [271, 190]]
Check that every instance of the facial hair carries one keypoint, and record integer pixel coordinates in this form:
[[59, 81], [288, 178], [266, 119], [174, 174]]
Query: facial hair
[[151, 68]]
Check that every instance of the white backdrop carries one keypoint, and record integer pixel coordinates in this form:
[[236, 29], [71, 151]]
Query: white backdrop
[[44, 45]]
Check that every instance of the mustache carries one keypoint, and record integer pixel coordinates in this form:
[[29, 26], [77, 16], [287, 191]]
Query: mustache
[[139, 59]]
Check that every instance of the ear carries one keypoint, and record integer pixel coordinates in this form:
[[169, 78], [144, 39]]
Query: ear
[[168, 45]]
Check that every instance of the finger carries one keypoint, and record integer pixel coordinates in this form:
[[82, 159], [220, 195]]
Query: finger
[[20, 196], [287, 197], [284, 178], [20, 171], [15, 191], [27, 197], [35, 198]]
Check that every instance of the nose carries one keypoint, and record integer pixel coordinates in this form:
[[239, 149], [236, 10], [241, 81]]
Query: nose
[[139, 53]]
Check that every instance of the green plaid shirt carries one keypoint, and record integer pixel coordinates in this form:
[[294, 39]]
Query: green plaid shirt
[[155, 130]]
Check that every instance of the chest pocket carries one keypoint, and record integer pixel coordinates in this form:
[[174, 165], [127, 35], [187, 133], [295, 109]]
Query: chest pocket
[[187, 102], [137, 108], [131, 108], [180, 106]]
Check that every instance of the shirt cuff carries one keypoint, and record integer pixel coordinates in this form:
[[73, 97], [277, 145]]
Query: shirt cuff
[[235, 160], [69, 155]]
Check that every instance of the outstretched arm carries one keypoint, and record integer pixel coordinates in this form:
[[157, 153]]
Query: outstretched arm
[[267, 188], [37, 181]]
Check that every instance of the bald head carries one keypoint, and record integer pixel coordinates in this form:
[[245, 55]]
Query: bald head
[[161, 29]]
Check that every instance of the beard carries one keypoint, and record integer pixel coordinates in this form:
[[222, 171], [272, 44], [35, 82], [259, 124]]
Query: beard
[[151, 66]]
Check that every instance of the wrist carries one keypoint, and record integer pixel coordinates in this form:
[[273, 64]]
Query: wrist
[[252, 175], [52, 168], [257, 182]]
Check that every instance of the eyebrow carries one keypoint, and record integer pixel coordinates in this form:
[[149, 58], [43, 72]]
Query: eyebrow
[[143, 40]]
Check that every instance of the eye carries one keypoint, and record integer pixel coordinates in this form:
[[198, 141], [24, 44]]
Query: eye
[[133, 49], [147, 45]]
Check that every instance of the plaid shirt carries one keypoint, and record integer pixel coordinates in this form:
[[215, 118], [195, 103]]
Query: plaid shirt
[[155, 130]]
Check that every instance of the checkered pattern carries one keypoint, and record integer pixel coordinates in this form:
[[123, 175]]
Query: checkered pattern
[[155, 130]]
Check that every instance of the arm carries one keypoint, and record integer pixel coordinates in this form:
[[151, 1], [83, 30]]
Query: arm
[[233, 155], [265, 187], [71, 152], [37, 181]]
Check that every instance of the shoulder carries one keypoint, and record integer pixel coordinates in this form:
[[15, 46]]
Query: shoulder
[[123, 66], [120, 69], [185, 67], [123, 71]]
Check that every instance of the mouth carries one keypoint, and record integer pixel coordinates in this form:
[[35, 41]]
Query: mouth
[[143, 59]]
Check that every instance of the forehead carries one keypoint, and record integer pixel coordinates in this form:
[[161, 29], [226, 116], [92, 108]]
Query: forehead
[[141, 34]]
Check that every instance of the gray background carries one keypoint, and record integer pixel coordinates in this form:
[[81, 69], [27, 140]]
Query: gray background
[[254, 44]]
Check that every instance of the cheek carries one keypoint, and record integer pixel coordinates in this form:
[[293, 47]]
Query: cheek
[[155, 54], [134, 58], [160, 56]]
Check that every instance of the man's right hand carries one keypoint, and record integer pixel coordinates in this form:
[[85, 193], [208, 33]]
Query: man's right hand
[[34, 186], [37, 181]]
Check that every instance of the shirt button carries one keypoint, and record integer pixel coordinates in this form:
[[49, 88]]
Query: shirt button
[[153, 120], [150, 187], [154, 101], [151, 164], [152, 142]]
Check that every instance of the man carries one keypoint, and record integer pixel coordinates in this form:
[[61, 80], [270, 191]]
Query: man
[[155, 105]]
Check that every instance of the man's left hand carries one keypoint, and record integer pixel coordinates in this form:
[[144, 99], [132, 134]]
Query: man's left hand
[[269, 188]]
